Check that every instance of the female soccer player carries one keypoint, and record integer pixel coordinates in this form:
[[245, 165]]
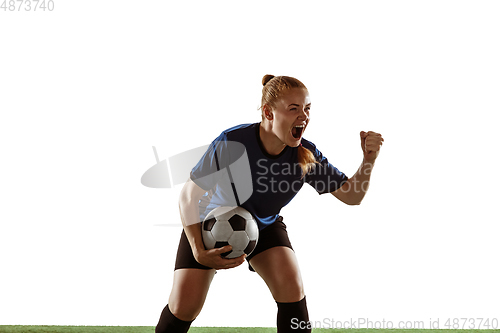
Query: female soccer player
[[279, 162]]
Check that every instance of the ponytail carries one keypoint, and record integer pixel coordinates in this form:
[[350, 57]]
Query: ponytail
[[306, 160], [267, 78]]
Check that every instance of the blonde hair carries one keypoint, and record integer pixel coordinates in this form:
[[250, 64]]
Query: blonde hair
[[274, 88]]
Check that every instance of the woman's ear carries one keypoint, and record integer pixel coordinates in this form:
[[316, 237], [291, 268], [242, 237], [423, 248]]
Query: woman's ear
[[267, 112]]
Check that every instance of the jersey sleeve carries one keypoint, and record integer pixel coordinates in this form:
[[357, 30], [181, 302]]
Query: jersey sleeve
[[212, 165], [324, 177]]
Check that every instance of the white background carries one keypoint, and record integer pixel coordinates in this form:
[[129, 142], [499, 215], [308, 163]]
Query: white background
[[88, 89]]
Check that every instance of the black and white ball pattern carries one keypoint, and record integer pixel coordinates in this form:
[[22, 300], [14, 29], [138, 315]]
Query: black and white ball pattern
[[233, 226]]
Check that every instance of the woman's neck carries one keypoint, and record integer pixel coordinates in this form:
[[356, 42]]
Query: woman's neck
[[272, 144]]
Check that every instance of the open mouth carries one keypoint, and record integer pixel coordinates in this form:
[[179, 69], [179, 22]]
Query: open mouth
[[297, 131]]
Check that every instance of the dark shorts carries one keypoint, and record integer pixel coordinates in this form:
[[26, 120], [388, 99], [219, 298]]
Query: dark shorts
[[271, 236]]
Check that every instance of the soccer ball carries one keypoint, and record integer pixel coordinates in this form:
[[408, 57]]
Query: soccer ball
[[233, 226]]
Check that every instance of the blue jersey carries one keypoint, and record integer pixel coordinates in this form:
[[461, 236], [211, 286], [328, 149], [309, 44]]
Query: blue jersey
[[237, 171]]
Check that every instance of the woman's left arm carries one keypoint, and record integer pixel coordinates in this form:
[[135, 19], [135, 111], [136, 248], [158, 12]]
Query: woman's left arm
[[354, 189]]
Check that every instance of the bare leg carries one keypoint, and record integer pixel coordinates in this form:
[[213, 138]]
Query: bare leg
[[279, 268], [186, 300], [189, 292]]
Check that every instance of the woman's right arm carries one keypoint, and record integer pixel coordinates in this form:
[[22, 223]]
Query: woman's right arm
[[190, 217]]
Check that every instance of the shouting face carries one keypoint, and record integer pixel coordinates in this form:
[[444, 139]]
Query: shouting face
[[287, 120]]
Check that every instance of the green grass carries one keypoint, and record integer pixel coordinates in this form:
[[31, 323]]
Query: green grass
[[150, 329]]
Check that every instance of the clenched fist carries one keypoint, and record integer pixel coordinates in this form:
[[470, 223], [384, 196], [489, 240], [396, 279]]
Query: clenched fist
[[371, 143]]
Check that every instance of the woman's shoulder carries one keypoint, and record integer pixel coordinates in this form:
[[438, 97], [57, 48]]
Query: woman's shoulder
[[238, 132], [240, 128]]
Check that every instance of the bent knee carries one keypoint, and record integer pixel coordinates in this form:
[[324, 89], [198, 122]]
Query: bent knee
[[185, 311], [288, 290]]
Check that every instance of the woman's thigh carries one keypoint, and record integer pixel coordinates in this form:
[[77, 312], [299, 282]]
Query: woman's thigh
[[279, 268], [189, 292]]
